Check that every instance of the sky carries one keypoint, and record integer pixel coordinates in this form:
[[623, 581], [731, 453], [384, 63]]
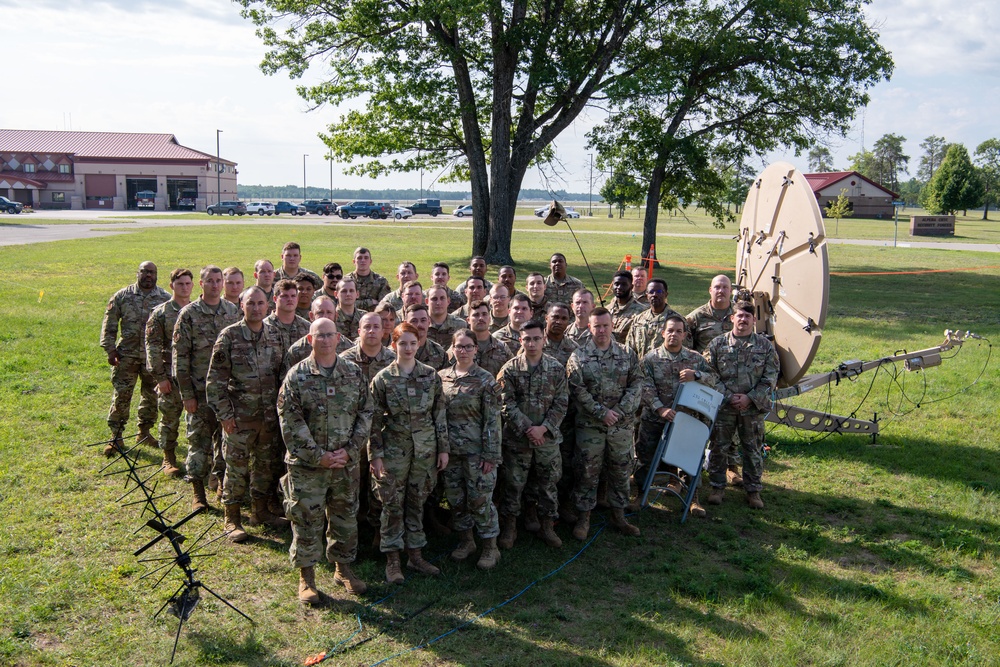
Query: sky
[[190, 67]]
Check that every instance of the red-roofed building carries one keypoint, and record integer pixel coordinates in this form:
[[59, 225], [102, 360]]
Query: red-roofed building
[[76, 170], [868, 199]]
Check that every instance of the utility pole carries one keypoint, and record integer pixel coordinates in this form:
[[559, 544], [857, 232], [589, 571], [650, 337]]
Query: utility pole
[[611, 180], [304, 156], [331, 175], [590, 210], [218, 168]]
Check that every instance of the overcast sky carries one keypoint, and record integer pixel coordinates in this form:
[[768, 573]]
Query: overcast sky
[[189, 67]]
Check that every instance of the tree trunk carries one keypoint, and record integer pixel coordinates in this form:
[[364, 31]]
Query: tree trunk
[[652, 212], [503, 202], [480, 204], [986, 209]]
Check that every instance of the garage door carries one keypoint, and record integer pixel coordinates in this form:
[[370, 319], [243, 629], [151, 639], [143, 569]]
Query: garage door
[[100, 191]]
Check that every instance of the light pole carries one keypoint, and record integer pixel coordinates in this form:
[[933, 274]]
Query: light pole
[[218, 168], [331, 175], [304, 156], [590, 211], [611, 179]]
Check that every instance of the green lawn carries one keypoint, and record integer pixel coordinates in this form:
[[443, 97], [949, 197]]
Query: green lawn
[[868, 553]]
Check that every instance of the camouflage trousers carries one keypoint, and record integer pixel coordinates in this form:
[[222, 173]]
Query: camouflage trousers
[[218, 457], [123, 380], [646, 443], [749, 428], [202, 429], [370, 507], [602, 450], [410, 476], [251, 457], [544, 464], [171, 408], [318, 496], [470, 493]]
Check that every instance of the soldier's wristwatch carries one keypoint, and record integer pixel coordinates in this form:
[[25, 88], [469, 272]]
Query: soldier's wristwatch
[[697, 375]]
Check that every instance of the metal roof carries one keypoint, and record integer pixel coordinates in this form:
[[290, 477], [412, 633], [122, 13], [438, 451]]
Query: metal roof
[[823, 180], [116, 145]]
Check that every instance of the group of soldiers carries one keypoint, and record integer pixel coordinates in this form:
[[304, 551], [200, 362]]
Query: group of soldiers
[[335, 400]]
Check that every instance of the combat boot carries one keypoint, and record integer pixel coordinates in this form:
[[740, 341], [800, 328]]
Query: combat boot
[[697, 510], [393, 573], [262, 515], [509, 532], [170, 468], [415, 561], [115, 446], [346, 578], [548, 535], [715, 497], [621, 524], [733, 476], [466, 547], [234, 524], [308, 592], [144, 437], [754, 500], [490, 556], [200, 502], [582, 527], [567, 512], [531, 523]]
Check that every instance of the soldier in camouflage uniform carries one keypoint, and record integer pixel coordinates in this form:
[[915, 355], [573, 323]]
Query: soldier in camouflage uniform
[[131, 307], [263, 273], [290, 326], [491, 354], [371, 286], [747, 366], [639, 278], [291, 255], [232, 284], [406, 272], [429, 353], [306, 285], [534, 395], [440, 275], [583, 304], [348, 314], [198, 325], [333, 273], [624, 308], [557, 344], [499, 307], [537, 298], [663, 370], [443, 324], [704, 324], [520, 312], [325, 411], [606, 381], [322, 306], [407, 448], [647, 327], [159, 341], [559, 286], [242, 389], [472, 399], [507, 276], [475, 290], [477, 268]]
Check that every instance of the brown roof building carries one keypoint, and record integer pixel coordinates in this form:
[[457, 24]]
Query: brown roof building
[[110, 170], [867, 198]]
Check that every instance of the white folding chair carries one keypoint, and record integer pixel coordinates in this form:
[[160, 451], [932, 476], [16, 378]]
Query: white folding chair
[[684, 442]]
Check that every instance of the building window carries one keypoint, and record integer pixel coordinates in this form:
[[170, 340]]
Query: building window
[[64, 169], [29, 168], [59, 197]]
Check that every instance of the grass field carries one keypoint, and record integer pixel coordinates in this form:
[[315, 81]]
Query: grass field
[[879, 553]]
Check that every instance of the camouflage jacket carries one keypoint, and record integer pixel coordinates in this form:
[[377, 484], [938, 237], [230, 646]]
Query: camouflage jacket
[[561, 290], [410, 413], [497, 323], [371, 289], [244, 375], [281, 274], [510, 338], [580, 335], [529, 397], [622, 317], [461, 313], [560, 351], [322, 410], [538, 309], [744, 366], [647, 330], [269, 295], [394, 299], [491, 355], [433, 355], [473, 407], [661, 377], [703, 325], [370, 366], [131, 307], [302, 348], [159, 339], [348, 325], [289, 333], [197, 328], [602, 381], [441, 333]]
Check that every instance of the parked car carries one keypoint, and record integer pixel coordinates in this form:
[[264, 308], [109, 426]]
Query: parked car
[[260, 208], [289, 207], [230, 207], [462, 211], [320, 206], [13, 207], [542, 211], [371, 209], [401, 213], [430, 207]]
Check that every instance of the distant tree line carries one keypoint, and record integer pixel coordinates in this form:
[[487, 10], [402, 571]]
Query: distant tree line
[[294, 192], [948, 178]]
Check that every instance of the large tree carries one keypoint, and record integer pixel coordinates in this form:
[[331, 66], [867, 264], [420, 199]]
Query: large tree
[[956, 185], [934, 148], [622, 191], [988, 161], [478, 89], [890, 160], [820, 159], [719, 81]]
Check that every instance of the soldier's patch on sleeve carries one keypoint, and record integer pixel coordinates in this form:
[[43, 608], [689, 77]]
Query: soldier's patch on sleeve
[[281, 401], [219, 356], [111, 304], [177, 336]]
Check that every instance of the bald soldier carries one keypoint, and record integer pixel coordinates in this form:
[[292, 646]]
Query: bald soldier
[[130, 308], [322, 306], [325, 411]]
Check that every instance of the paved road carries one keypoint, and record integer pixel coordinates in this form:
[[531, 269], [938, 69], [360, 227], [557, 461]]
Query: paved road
[[108, 223]]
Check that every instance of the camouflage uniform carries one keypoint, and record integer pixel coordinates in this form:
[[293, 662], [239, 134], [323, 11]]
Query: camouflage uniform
[[622, 317], [131, 307], [703, 325], [302, 348], [441, 333], [661, 378], [322, 410], [433, 355], [491, 355], [394, 299], [497, 323], [647, 330], [744, 366], [242, 384], [473, 408], [510, 338], [538, 309], [602, 381], [530, 397], [348, 325], [290, 333], [561, 290], [269, 295], [561, 350], [198, 326], [461, 313], [371, 289], [580, 335], [281, 274], [409, 431], [159, 340]]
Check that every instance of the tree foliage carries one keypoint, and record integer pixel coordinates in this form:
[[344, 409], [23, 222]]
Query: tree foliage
[[890, 161], [956, 185], [622, 191], [934, 148], [988, 162], [820, 159], [839, 208]]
